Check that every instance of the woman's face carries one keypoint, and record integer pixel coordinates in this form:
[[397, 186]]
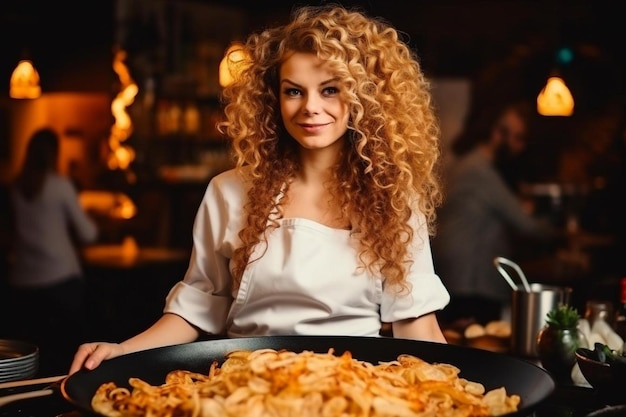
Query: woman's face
[[310, 104]]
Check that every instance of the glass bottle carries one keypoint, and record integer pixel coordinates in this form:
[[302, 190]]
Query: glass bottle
[[599, 310]]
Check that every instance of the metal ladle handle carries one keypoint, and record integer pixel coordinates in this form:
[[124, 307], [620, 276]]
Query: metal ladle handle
[[500, 260]]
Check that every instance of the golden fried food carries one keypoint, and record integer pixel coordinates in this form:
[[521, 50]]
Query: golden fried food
[[474, 330], [499, 328], [268, 382]]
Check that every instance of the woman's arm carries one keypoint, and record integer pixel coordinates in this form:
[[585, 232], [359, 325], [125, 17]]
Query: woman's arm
[[170, 329], [84, 227], [422, 328]]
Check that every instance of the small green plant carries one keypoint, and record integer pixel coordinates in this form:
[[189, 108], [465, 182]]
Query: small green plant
[[563, 317]]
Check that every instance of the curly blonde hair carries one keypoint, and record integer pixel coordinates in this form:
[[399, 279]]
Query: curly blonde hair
[[387, 169]]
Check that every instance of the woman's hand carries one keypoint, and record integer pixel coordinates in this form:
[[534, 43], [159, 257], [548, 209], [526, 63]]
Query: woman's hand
[[170, 329], [91, 355]]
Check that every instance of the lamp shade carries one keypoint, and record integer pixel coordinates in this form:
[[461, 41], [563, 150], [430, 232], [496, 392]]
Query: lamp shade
[[24, 81], [555, 99]]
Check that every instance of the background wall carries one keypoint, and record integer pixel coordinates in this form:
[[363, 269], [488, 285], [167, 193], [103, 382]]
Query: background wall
[[83, 121], [500, 49]]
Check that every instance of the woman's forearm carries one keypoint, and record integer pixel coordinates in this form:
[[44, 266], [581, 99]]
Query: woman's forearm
[[421, 328], [170, 329]]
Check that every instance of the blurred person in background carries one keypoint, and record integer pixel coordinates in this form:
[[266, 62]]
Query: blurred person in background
[[482, 214], [45, 274]]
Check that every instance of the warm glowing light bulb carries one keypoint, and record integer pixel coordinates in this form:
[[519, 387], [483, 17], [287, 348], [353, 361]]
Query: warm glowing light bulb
[[24, 81], [555, 99]]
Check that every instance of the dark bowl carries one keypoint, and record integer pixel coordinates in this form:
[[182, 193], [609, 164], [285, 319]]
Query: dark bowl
[[606, 379]]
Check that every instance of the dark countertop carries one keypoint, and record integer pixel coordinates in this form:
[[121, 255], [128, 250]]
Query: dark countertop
[[574, 401]]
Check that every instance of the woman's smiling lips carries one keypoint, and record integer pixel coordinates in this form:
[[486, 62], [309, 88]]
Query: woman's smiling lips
[[310, 127]]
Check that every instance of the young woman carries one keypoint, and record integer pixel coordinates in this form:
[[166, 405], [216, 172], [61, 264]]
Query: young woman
[[322, 228]]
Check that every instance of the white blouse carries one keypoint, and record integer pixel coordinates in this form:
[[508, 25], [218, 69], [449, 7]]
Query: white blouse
[[45, 250], [306, 281]]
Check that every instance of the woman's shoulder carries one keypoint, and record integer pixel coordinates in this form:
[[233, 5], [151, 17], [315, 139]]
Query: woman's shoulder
[[473, 165], [59, 182], [225, 197], [229, 179], [58, 177], [229, 185]]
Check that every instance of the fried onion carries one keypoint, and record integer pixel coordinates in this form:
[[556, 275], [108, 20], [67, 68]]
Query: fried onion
[[268, 382]]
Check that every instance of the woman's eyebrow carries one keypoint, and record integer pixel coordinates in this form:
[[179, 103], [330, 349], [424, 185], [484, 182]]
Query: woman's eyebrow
[[323, 83], [288, 81]]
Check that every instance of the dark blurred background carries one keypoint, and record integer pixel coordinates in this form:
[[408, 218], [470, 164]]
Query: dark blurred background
[[477, 53], [453, 37]]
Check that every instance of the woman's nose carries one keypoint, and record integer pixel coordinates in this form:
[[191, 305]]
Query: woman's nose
[[312, 104]]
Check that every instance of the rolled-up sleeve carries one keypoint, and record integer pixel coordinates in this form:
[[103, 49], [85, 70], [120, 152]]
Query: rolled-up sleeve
[[204, 296], [427, 292]]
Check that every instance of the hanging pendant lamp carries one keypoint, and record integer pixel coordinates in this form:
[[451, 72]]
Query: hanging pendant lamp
[[24, 82], [555, 99]]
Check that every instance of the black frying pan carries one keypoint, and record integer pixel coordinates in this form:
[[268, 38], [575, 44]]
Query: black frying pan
[[493, 370]]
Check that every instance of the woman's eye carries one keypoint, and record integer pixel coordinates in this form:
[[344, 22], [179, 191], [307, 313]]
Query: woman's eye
[[292, 92], [330, 91]]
